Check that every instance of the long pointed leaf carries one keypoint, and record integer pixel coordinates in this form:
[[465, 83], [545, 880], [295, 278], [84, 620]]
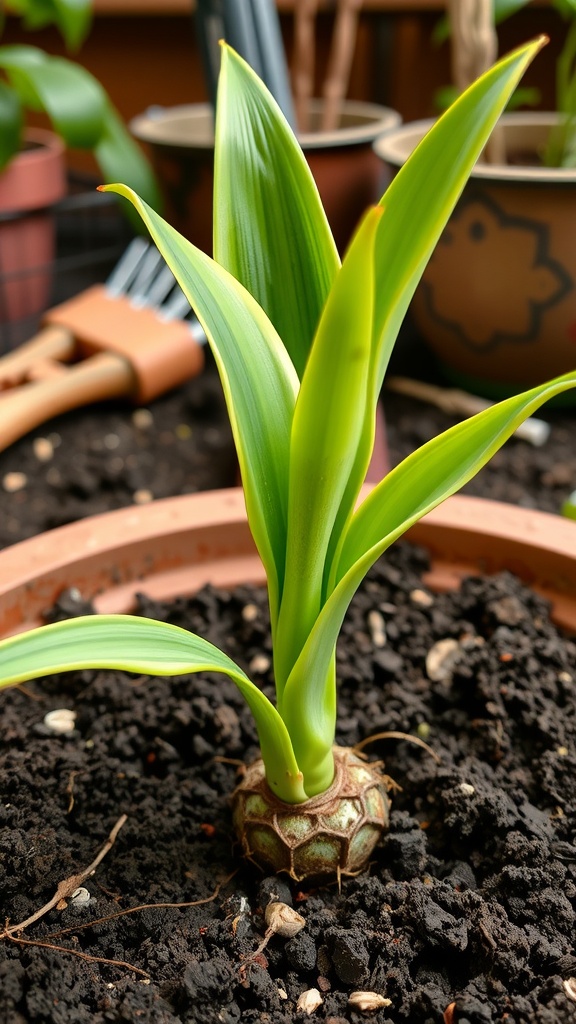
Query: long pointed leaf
[[420, 483], [423, 194], [258, 379], [142, 645], [417, 205], [327, 424], [270, 229]]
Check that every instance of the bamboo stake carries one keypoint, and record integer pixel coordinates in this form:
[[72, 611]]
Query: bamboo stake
[[474, 50], [303, 64], [340, 62], [461, 403]]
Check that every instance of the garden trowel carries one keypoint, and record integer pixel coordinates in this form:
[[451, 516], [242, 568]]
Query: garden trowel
[[128, 337]]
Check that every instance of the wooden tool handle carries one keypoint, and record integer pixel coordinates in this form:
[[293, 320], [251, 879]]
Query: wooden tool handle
[[54, 342], [103, 376]]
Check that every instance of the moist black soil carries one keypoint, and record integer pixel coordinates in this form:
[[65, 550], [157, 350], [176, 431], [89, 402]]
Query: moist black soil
[[466, 913]]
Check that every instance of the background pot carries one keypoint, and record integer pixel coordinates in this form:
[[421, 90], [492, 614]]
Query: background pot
[[497, 303], [177, 545], [348, 173], [29, 186]]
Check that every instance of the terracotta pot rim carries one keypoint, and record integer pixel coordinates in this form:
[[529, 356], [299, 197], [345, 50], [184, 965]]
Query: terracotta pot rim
[[44, 139], [158, 126], [397, 144], [35, 178], [176, 545]]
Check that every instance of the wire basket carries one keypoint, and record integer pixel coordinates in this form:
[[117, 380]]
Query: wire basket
[[91, 234]]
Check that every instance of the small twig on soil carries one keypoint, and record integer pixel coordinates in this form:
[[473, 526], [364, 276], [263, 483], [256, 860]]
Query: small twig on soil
[[145, 906], [68, 885], [70, 790], [398, 736], [36, 697], [74, 952]]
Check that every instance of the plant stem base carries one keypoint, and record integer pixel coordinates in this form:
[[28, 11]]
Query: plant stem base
[[331, 834]]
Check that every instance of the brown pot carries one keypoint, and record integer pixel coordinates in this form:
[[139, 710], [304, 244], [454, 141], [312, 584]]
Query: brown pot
[[29, 186], [348, 174], [497, 303], [176, 545]]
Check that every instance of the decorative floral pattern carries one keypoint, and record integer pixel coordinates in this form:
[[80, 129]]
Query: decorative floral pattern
[[504, 278]]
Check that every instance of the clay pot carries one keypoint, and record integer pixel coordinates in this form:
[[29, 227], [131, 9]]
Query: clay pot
[[29, 186], [348, 173], [497, 303], [176, 545]]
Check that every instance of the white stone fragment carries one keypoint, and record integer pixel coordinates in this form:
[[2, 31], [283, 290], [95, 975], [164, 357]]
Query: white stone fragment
[[80, 898], [142, 419], [250, 612], [260, 663], [61, 721], [13, 482], [367, 1001], [142, 497], [569, 986], [43, 449], [377, 627], [441, 659], [467, 789], [309, 1001], [283, 920], [422, 598]]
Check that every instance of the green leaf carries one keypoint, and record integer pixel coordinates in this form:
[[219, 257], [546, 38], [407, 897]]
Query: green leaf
[[258, 379], [72, 17], [270, 229], [11, 122], [141, 645], [504, 9], [327, 425], [423, 194], [119, 156], [417, 206], [70, 95], [420, 483]]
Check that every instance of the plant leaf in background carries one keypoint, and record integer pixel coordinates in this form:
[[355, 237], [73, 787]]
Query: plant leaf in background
[[153, 648], [119, 155], [269, 223], [72, 17], [11, 121], [560, 148], [258, 378], [70, 95]]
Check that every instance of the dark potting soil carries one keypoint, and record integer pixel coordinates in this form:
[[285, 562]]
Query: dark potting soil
[[467, 912]]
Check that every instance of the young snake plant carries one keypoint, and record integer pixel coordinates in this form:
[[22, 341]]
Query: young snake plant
[[302, 345]]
